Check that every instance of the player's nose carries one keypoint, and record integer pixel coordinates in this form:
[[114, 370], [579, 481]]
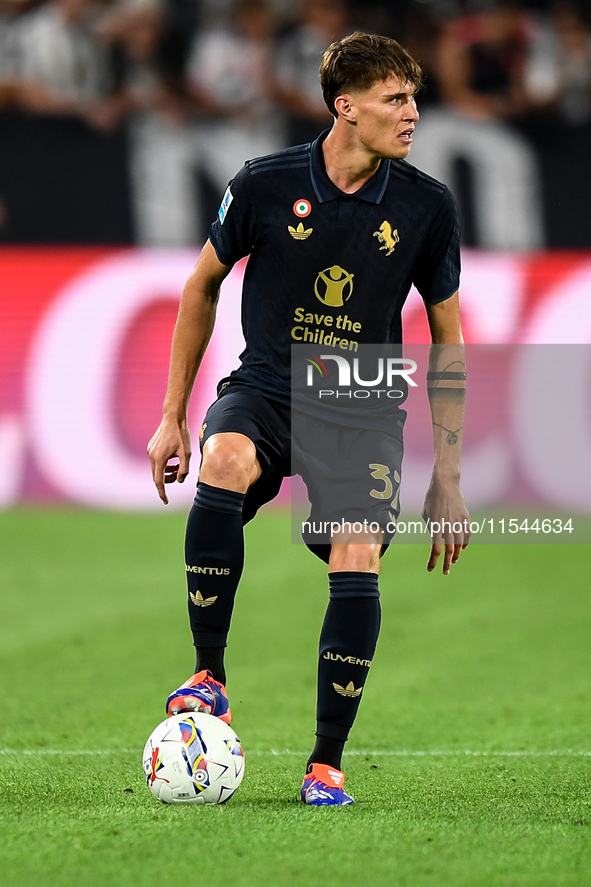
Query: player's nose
[[412, 112]]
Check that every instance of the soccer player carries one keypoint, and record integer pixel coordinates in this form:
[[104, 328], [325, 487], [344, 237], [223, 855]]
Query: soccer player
[[343, 225]]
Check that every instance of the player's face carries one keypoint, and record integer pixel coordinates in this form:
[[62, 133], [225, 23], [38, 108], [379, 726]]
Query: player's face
[[385, 117]]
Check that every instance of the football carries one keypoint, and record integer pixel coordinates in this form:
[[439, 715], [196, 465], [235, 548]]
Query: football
[[193, 758]]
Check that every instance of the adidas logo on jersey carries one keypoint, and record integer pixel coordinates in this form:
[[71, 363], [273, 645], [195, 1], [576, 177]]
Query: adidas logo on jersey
[[299, 233]]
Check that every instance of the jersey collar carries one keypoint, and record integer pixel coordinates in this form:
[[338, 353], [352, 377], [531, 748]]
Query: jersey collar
[[371, 192]]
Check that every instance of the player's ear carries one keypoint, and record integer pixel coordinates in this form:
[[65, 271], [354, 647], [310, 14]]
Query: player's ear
[[345, 108]]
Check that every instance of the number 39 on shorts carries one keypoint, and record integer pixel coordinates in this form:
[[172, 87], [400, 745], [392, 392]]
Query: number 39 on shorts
[[382, 473]]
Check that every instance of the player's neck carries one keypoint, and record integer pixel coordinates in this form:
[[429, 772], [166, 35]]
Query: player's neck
[[348, 162]]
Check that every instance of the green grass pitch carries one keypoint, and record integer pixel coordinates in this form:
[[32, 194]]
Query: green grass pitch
[[469, 760]]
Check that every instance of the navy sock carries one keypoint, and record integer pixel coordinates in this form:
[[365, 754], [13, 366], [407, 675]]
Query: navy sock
[[214, 557], [347, 644], [212, 659], [326, 751]]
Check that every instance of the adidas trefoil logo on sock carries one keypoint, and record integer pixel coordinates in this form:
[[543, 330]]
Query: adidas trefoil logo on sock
[[349, 690], [201, 601]]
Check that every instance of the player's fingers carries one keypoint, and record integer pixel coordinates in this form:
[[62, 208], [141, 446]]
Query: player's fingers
[[183, 467], [170, 474], [457, 550], [449, 529], [158, 475], [447, 558], [460, 541], [467, 534], [434, 527], [434, 556]]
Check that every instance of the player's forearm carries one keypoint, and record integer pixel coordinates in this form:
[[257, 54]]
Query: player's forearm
[[192, 333], [446, 387], [193, 330]]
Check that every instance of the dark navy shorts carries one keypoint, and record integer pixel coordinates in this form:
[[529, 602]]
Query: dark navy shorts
[[350, 473], [267, 424]]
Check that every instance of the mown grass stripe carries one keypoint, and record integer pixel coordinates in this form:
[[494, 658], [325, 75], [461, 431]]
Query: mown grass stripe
[[401, 753]]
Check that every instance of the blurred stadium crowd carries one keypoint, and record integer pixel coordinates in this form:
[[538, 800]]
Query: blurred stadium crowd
[[155, 104]]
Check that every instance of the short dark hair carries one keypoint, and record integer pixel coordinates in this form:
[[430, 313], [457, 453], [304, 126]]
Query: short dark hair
[[358, 61]]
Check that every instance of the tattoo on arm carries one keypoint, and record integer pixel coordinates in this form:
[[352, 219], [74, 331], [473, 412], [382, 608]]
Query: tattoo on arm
[[448, 377], [452, 436], [455, 379], [457, 375]]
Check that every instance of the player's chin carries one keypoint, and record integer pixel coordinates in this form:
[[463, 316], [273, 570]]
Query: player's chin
[[400, 150], [404, 146]]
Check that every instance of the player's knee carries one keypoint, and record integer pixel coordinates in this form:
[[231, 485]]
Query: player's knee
[[355, 558], [229, 461]]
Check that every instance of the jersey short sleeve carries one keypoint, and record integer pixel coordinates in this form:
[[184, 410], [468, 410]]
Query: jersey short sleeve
[[436, 273], [233, 232]]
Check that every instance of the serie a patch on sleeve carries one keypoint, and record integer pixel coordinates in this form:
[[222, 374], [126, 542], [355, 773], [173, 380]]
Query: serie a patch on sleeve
[[225, 205]]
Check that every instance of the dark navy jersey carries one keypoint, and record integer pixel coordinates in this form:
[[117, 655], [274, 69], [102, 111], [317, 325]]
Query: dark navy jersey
[[329, 268]]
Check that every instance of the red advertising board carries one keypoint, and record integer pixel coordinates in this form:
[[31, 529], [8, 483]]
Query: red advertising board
[[85, 342]]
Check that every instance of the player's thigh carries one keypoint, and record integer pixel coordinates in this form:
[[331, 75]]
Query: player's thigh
[[352, 475], [245, 439], [353, 478]]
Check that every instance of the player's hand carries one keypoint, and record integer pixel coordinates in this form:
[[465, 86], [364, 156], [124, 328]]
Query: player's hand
[[171, 441], [447, 518]]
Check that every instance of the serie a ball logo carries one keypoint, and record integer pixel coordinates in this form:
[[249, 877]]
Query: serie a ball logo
[[333, 286]]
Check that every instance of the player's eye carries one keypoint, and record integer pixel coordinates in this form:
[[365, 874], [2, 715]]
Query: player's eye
[[403, 99]]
